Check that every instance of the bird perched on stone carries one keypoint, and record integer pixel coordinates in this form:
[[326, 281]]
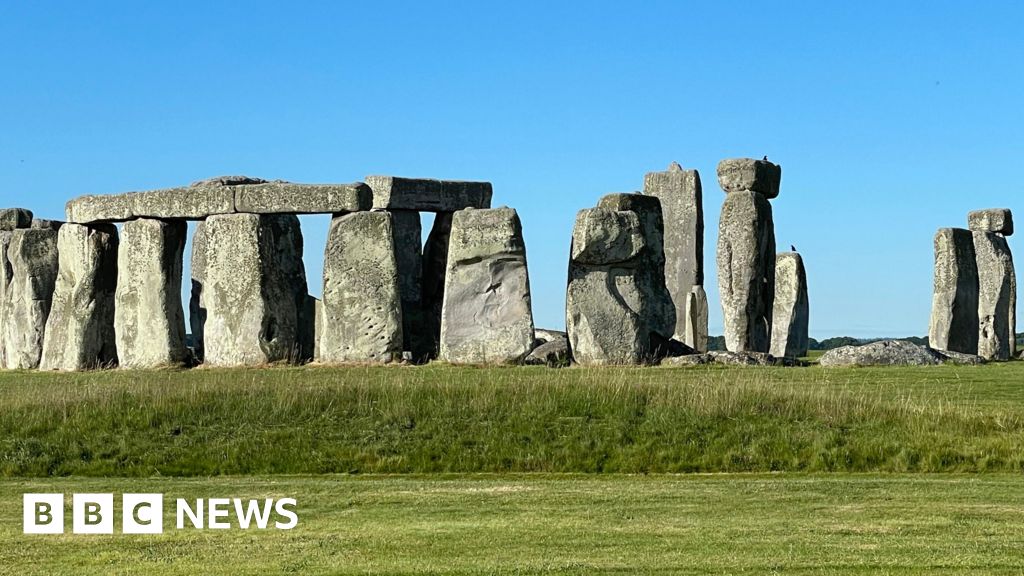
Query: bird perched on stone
[[792, 248], [765, 158]]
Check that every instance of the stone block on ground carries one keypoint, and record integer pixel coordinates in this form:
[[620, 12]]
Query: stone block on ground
[[427, 195], [791, 311], [996, 220], [954, 317], [882, 353], [362, 308], [149, 321], [80, 327], [33, 259], [997, 296], [487, 313], [747, 174]]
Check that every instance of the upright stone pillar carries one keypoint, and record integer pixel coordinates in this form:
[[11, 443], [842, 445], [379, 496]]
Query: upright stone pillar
[[791, 313], [618, 310], [487, 315], [408, 239], [954, 320], [997, 284], [10, 219], [435, 262], [286, 232], [149, 322], [80, 327], [196, 304], [248, 290], [33, 257], [683, 212], [746, 252], [362, 308]]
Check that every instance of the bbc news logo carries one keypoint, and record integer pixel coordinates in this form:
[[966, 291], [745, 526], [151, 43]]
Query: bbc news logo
[[144, 514]]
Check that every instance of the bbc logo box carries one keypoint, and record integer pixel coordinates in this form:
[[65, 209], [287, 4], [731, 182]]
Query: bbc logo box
[[93, 513]]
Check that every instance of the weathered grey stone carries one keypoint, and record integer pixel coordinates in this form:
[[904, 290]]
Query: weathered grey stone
[[618, 310], [791, 311], [954, 319], [287, 234], [660, 315], [14, 218], [950, 357], [997, 296], [882, 353], [395, 193], [552, 353], [408, 239], [223, 195], [288, 198], [362, 308], [44, 224], [6, 275], [729, 359], [695, 328], [997, 220], [33, 263], [543, 336], [318, 327], [487, 315], [683, 213], [746, 270], [250, 302], [435, 263], [196, 304], [80, 327], [149, 322], [747, 174]]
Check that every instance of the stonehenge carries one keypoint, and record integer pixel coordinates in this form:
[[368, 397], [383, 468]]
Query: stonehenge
[[975, 288], [790, 312], [486, 312], [746, 252], [682, 207], [79, 332], [32, 255]]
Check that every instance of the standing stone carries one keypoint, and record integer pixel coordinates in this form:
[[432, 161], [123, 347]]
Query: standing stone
[[435, 262], [683, 212], [614, 297], [487, 315], [997, 297], [286, 232], [149, 322], [954, 321], [791, 313], [746, 253], [33, 263], [80, 327], [5, 281], [196, 303], [362, 307], [408, 238], [251, 305], [695, 333]]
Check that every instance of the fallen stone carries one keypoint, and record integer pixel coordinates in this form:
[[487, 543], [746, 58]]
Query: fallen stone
[[554, 353], [749, 175], [196, 305], [730, 359], [790, 313], [997, 296], [14, 218], [43, 224], [435, 262], [954, 319], [950, 357], [33, 263], [224, 195], [362, 307], [543, 336], [425, 195], [695, 328], [746, 270], [996, 220], [882, 353], [251, 306], [683, 213], [149, 322], [487, 315], [80, 328]]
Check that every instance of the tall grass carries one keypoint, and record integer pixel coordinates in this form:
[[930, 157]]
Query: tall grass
[[455, 419]]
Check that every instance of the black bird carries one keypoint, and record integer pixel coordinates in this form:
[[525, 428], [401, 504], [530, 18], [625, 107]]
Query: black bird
[[765, 158], [792, 248]]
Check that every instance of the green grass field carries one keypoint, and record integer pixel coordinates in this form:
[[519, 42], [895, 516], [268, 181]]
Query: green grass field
[[445, 470]]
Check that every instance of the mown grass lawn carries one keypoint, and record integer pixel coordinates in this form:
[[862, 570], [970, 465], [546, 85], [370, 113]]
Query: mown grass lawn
[[551, 524]]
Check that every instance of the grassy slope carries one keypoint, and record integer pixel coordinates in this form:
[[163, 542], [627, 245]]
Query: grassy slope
[[539, 524], [445, 419]]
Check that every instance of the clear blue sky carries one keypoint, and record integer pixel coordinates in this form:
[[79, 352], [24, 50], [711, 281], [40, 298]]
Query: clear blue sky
[[889, 119]]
